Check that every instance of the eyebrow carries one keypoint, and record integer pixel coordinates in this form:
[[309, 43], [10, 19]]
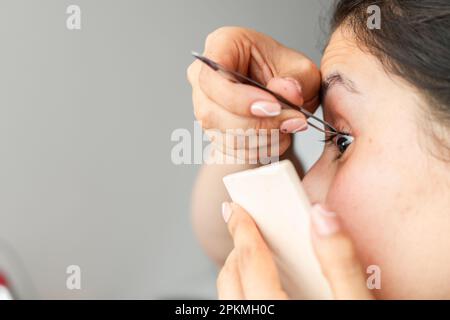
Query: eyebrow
[[336, 78]]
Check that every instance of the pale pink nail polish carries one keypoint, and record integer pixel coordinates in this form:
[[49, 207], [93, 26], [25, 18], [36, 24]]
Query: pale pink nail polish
[[293, 125], [325, 222], [296, 84], [265, 109], [226, 211]]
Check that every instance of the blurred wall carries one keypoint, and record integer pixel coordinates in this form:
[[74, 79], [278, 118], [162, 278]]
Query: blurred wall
[[86, 117]]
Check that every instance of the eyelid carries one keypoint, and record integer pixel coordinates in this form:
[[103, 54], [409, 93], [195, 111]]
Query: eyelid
[[343, 129], [339, 134], [338, 114], [330, 141]]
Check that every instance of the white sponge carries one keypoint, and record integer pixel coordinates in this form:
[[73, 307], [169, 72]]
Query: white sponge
[[273, 195]]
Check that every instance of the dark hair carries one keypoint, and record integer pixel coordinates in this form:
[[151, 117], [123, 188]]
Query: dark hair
[[413, 43]]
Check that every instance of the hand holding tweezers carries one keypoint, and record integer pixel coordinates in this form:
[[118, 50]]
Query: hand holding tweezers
[[240, 78]]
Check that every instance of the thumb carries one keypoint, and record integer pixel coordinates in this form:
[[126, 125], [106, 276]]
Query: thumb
[[337, 256]]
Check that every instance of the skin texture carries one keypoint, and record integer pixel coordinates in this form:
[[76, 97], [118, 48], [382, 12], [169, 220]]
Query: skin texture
[[250, 271], [390, 194], [282, 70]]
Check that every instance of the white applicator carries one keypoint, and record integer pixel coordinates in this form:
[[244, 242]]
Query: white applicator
[[273, 195]]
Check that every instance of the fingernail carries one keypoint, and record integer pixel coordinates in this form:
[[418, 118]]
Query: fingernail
[[293, 125], [295, 83], [325, 222], [265, 109], [226, 211]]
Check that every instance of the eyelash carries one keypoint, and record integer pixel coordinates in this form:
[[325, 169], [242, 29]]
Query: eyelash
[[331, 141]]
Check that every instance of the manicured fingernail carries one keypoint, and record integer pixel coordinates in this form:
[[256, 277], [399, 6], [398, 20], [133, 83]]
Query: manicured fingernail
[[325, 222], [226, 211], [295, 83], [293, 125], [265, 109]]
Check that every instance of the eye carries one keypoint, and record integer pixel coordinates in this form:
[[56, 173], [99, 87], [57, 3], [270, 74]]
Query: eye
[[342, 142]]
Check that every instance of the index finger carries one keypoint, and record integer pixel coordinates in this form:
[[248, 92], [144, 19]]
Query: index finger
[[235, 97], [232, 48]]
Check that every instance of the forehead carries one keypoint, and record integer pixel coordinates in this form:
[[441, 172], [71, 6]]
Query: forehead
[[343, 55], [341, 52]]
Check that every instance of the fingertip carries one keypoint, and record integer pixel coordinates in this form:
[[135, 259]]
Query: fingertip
[[192, 72], [325, 223], [295, 83], [287, 87], [237, 216], [294, 125], [238, 210]]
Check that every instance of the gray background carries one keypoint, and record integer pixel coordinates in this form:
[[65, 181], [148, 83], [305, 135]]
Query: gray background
[[86, 117]]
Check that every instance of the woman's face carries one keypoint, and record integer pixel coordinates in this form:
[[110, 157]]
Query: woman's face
[[391, 194]]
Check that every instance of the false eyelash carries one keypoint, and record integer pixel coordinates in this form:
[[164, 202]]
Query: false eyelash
[[334, 135], [330, 139]]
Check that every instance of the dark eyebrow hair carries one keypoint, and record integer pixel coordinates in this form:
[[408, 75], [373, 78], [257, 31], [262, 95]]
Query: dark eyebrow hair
[[336, 78]]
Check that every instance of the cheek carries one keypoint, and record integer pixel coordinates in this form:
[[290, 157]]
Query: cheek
[[375, 199], [391, 208], [362, 198], [318, 179]]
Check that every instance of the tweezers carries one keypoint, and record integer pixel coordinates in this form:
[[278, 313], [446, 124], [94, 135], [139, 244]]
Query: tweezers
[[236, 77]]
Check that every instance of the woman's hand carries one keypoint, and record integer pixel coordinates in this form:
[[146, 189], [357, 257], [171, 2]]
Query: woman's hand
[[250, 271], [221, 105]]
